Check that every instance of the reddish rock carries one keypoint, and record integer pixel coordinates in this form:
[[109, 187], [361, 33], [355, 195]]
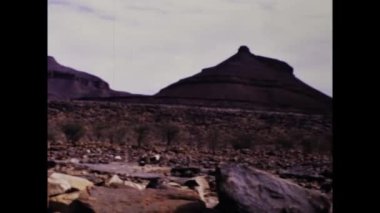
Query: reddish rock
[[121, 200]]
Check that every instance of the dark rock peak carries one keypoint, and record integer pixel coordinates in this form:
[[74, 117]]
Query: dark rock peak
[[244, 49]]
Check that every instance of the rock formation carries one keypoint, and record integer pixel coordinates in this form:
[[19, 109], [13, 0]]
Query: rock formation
[[264, 83], [65, 83]]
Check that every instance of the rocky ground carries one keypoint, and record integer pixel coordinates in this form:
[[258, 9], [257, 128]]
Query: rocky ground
[[181, 178], [202, 170]]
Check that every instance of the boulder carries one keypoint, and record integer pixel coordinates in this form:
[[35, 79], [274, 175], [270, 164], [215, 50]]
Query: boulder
[[66, 198], [149, 159], [62, 202], [74, 182], [135, 185], [57, 185], [204, 192], [245, 189], [115, 181], [74, 160]]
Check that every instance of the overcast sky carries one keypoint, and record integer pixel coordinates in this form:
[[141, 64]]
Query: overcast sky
[[141, 46]]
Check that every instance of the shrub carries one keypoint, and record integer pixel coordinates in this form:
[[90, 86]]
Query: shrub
[[286, 139], [73, 131], [169, 133], [285, 142], [307, 145], [316, 143], [325, 144], [141, 132], [117, 135], [100, 130], [243, 141], [213, 139]]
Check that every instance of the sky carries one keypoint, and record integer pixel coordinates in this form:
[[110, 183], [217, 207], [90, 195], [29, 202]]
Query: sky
[[141, 46]]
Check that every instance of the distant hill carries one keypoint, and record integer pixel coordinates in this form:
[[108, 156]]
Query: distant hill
[[65, 83], [264, 83]]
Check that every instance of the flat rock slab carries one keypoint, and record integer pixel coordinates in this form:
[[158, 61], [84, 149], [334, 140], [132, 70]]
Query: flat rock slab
[[121, 200], [131, 170], [246, 189]]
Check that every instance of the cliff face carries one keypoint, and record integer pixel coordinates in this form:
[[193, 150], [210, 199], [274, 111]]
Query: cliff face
[[244, 77], [65, 83]]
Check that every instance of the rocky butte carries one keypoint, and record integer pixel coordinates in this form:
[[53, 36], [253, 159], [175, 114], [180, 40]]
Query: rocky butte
[[261, 82], [65, 83]]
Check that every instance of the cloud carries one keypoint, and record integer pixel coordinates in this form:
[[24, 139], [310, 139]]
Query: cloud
[[142, 46]]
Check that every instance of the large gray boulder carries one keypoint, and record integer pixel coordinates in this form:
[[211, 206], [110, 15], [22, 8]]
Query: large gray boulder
[[245, 189]]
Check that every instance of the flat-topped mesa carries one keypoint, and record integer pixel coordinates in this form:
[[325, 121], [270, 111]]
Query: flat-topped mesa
[[264, 82], [67, 83]]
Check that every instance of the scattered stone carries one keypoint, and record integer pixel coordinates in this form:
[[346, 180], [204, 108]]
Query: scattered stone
[[74, 160], [134, 185], [96, 179], [174, 184], [146, 159], [115, 181], [118, 157], [155, 159], [142, 163]]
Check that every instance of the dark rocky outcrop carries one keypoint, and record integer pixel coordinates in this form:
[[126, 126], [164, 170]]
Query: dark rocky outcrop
[[264, 83], [65, 83], [246, 189]]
